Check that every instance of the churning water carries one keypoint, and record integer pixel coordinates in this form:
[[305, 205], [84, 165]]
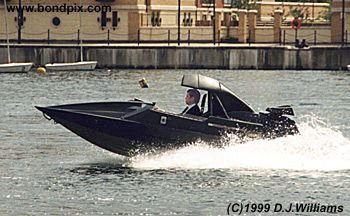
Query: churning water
[[47, 170], [318, 147]]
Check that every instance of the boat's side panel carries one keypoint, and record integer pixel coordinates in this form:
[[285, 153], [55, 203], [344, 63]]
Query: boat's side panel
[[118, 145], [176, 127], [189, 128], [126, 136], [115, 135]]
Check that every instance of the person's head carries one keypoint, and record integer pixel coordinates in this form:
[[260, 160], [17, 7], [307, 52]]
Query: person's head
[[192, 96]]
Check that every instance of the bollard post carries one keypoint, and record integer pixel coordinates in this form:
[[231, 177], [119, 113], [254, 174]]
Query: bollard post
[[48, 36], [315, 37], [78, 36], [189, 37], [108, 37], [219, 37], [168, 37], [280, 37], [138, 36], [249, 35], [284, 37], [346, 37]]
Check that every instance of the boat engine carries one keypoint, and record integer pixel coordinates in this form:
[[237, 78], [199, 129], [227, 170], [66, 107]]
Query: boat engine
[[281, 110], [280, 123]]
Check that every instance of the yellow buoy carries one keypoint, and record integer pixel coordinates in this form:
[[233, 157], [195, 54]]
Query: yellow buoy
[[41, 70], [143, 83]]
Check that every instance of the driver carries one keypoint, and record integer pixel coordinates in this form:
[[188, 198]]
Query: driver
[[191, 99]]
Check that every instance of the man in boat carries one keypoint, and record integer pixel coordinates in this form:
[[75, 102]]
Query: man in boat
[[191, 99]]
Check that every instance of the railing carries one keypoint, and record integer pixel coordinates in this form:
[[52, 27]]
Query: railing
[[187, 35]]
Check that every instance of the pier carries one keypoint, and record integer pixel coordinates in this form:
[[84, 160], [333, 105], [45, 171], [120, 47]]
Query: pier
[[193, 56]]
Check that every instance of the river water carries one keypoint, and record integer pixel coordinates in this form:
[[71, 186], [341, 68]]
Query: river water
[[47, 170]]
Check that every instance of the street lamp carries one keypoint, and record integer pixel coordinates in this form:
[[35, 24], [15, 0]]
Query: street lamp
[[214, 23], [343, 23], [313, 11], [19, 20], [178, 21]]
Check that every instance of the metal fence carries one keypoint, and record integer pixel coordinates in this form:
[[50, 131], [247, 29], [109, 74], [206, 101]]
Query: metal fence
[[170, 35]]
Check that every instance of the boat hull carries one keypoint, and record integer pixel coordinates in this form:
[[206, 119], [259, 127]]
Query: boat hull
[[129, 128], [114, 135], [15, 67], [73, 66], [124, 136]]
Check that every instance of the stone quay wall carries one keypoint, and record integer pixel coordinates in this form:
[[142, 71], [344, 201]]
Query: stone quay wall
[[188, 57]]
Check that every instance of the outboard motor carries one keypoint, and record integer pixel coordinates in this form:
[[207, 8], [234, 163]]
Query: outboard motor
[[282, 124], [281, 110]]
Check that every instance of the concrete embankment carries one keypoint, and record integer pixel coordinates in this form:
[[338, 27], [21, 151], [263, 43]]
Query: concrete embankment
[[188, 57]]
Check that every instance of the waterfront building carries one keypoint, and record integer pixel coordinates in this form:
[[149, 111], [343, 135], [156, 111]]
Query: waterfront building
[[157, 20], [340, 21]]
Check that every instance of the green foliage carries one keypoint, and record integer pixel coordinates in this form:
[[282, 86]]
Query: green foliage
[[300, 12], [307, 1], [244, 4], [326, 15], [303, 12]]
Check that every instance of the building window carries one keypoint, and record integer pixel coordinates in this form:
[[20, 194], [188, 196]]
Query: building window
[[187, 21], [56, 21], [103, 19], [115, 19], [155, 18]]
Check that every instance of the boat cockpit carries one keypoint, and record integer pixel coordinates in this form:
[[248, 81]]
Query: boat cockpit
[[218, 99]]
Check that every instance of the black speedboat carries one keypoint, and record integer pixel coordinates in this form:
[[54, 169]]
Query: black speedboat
[[132, 127]]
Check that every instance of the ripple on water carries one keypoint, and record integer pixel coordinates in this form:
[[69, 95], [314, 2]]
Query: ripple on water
[[44, 169]]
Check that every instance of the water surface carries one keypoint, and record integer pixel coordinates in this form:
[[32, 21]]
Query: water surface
[[45, 169]]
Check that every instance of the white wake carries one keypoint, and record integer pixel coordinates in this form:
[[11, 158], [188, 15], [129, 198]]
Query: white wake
[[318, 147]]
